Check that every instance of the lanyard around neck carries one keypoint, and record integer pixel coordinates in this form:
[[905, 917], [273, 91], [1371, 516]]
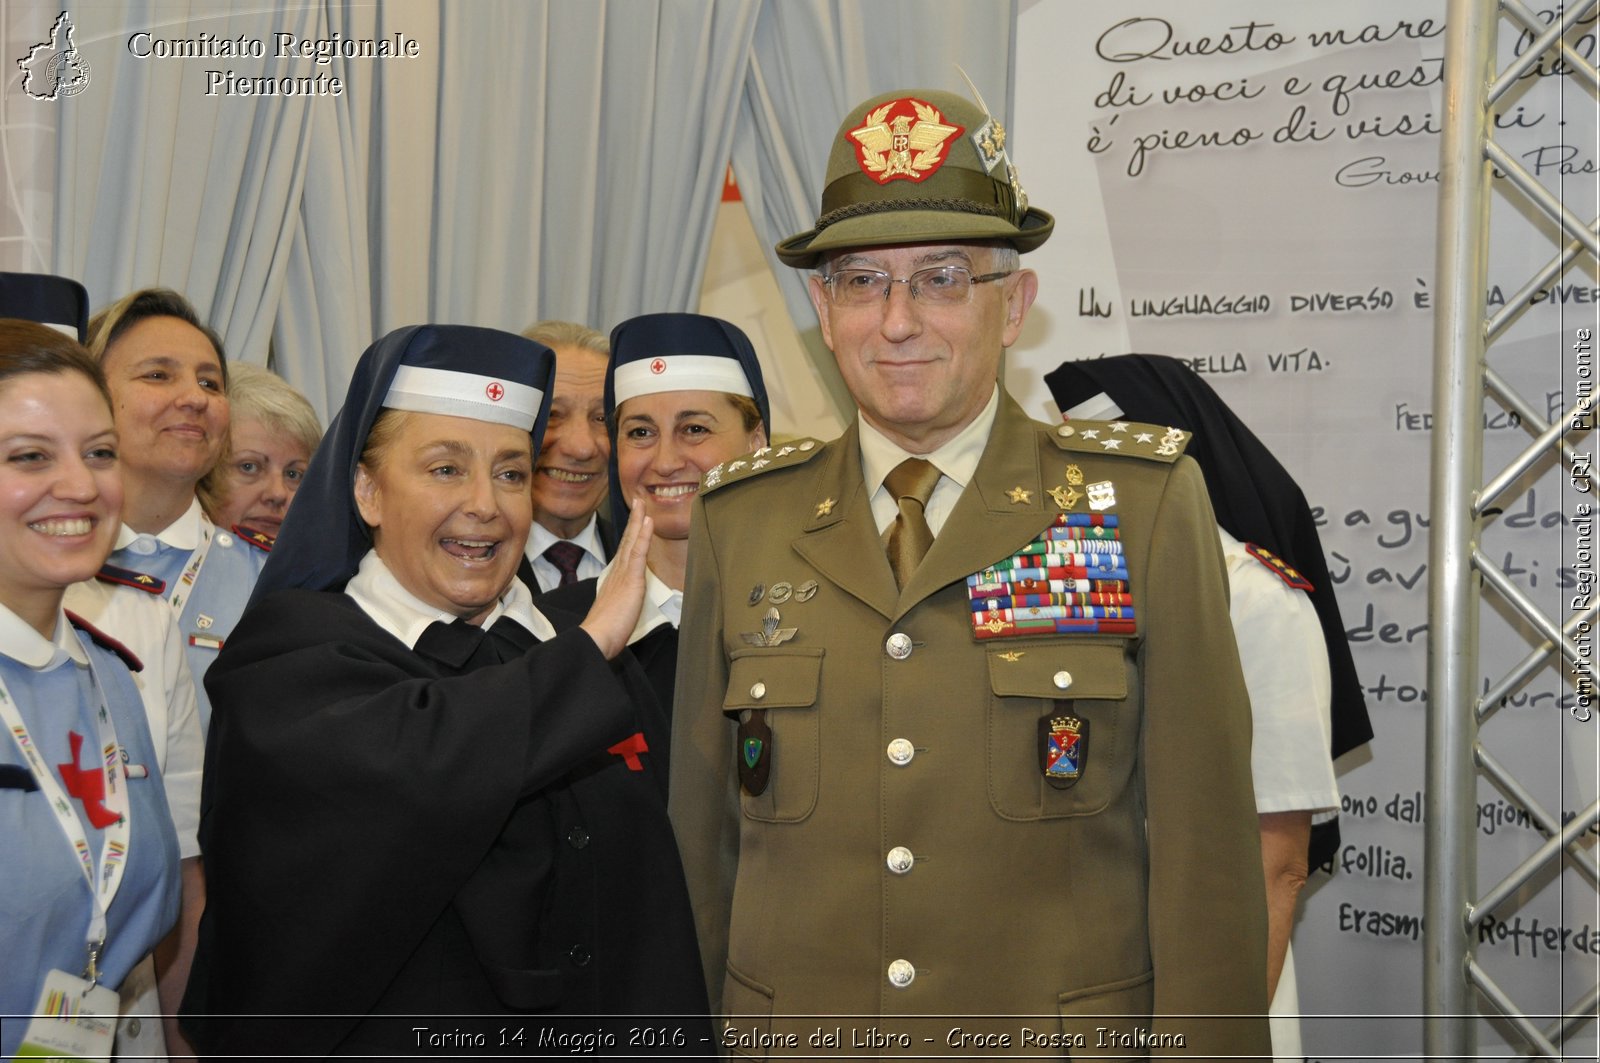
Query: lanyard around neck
[[183, 586], [114, 845]]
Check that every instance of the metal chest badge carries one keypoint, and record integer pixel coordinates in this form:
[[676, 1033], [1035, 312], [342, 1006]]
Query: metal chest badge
[[755, 753], [1063, 749], [770, 634]]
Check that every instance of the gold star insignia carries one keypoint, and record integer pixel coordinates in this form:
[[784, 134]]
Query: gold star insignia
[[1018, 495], [824, 507], [145, 579], [1013, 656]]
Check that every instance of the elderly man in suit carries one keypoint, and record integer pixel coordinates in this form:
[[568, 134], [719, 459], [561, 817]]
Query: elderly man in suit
[[570, 541], [961, 729]]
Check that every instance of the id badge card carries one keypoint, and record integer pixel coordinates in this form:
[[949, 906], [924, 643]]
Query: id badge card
[[73, 1021]]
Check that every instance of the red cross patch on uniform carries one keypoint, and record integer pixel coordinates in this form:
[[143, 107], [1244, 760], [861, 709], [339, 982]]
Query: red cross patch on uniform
[[1279, 567]]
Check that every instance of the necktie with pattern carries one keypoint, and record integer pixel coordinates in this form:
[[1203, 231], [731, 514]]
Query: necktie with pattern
[[565, 556]]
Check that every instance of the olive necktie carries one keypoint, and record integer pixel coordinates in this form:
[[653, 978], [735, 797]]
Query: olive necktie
[[911, 483]]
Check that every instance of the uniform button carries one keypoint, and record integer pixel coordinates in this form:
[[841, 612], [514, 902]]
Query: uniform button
[[898, 646], [901, 973], [224, 540], [900, 860], [901, 751], [1065, 431], [1063, 680], [577, 837], [134, 1027], [758, 690], [579, 955]]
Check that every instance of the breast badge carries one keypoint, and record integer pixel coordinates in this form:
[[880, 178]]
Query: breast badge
[[770, 634], [755, 753], [1102, 495], [1063, 749]]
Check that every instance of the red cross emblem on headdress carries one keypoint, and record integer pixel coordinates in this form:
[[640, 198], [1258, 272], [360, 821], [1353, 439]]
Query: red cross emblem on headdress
[[658, 366], [495, 391]]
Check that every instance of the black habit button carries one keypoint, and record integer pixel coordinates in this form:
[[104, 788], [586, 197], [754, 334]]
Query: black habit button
[[577, 837], [579, 955]]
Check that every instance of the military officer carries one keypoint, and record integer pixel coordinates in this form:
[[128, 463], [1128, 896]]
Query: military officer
[[960, 724]]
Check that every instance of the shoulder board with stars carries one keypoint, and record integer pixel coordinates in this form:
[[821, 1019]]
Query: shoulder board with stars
[[127, 577], [105, 641], [1131, 439], [1279, 567], [794, 452], [255, 537]]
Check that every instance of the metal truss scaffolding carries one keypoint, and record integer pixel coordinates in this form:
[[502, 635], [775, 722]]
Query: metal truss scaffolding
[[1454, 985]]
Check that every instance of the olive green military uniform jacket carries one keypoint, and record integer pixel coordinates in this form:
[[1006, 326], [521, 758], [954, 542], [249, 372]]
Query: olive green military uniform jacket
[[1136, 892]]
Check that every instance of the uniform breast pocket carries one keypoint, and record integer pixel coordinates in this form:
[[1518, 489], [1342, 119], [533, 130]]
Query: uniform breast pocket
[[773, 697], [1063, 733]]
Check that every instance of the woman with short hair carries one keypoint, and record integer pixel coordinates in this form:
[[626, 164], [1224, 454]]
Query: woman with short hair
[[272, 433]]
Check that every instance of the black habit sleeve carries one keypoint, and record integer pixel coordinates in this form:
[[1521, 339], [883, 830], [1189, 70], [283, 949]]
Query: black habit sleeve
[[352, 790]]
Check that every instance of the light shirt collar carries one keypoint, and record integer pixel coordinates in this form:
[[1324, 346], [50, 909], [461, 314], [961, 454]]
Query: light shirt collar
[[662, 604], [541, 539], [181, 534], [405, 616], [957, 461], [956, 458], [20, 642]]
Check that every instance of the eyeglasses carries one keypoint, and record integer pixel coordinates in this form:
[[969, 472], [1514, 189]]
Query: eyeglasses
[[935, 286]]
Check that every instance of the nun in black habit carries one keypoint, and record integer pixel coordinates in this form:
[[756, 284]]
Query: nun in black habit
[[683, 393], [422, 797]]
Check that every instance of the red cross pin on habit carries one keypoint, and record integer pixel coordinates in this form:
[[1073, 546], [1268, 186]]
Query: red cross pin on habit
[[658, 366], [495, 391], [629, 749]]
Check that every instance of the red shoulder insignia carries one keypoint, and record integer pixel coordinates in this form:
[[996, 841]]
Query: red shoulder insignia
[[255, 537], [127, 577], [1279, 567], [105, 641]]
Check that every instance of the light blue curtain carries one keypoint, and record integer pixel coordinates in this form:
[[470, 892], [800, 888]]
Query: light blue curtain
[[539, 158], [161, 183]]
